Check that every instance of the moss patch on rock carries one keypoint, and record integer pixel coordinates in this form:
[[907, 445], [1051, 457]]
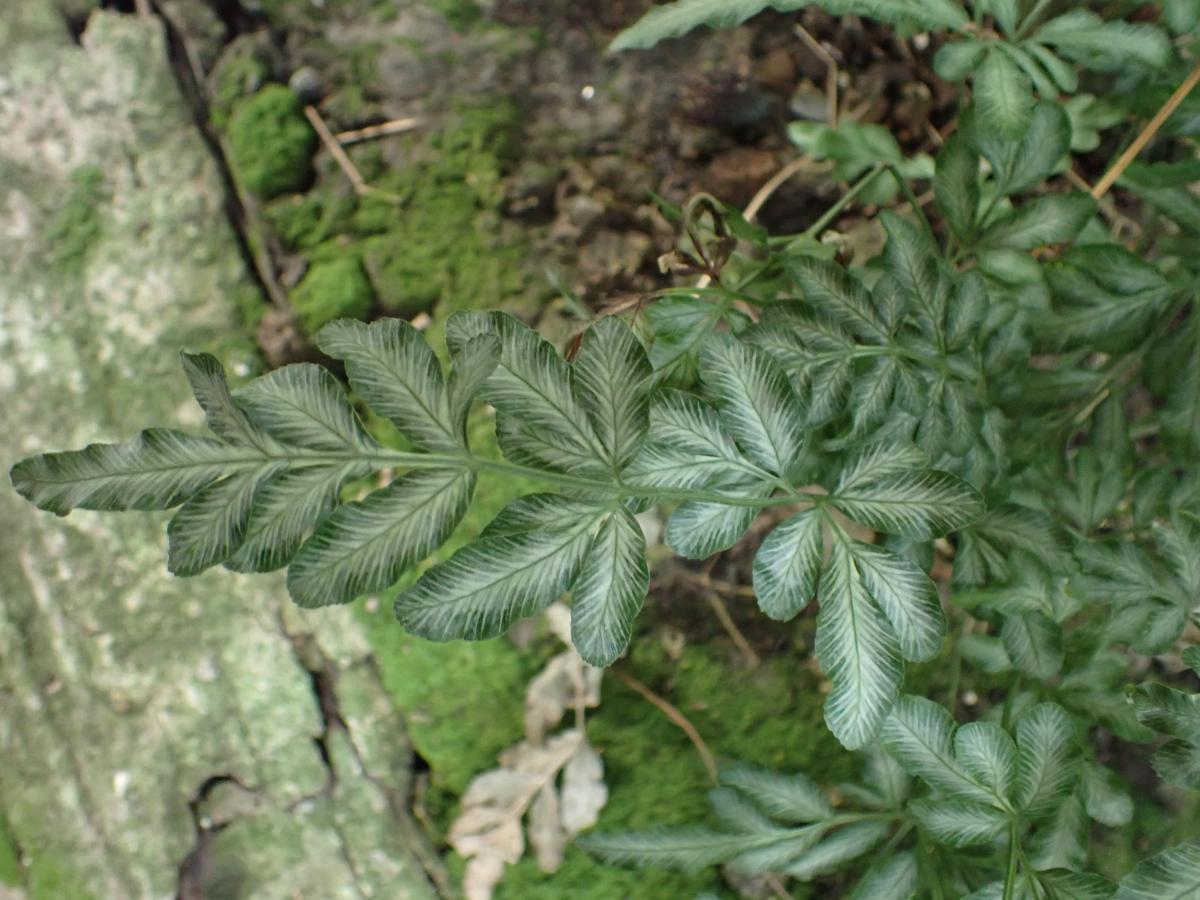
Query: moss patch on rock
[[271, 145], [332, 289], [78, 223], [432, 238]]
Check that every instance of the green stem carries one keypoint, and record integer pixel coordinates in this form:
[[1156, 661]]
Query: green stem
[[814, 231], [1014, 845], [913, 201], [1006, 715], [1032, 19], [404, 460]]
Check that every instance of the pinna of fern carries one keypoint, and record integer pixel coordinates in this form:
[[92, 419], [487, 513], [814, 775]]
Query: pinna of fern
[[263, 492]]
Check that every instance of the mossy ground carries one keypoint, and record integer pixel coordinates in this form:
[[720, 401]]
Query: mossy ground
[[332, 289], [431, 239], [270, 144]]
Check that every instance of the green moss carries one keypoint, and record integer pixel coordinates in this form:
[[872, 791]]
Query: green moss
[[303, 221], [332, 289], [79, 222], [10, 865], [462, 15], [240, 73], [271, 145]]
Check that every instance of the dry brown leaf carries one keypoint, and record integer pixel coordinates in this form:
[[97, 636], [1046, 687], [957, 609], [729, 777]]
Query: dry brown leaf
[[488, 832], [545, 827], [556, 689], [584, 792]]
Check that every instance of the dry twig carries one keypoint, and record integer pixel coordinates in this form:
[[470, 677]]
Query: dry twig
[[831, 73], [370, 132], [735, 634], [339, 155], [674, 715], [1148, 132]]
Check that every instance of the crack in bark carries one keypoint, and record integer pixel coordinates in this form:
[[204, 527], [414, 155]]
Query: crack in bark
[[324, 674]]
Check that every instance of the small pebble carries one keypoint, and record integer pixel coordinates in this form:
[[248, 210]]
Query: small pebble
[[306, 84]]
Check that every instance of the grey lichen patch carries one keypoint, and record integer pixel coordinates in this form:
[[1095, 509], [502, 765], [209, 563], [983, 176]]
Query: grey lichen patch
[[125, 689]]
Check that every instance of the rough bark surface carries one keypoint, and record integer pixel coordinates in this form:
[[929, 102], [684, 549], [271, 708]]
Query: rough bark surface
[[159, 736]]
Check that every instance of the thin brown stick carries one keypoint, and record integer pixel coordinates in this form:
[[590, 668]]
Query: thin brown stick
[[674, 715], [735, 634], [370, 132], [831, 74], [339, 155], [1143, 138], [771, 186], [143, 8]]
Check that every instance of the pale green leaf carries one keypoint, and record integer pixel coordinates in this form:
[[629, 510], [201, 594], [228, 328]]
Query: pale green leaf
[[535, 512], [670, 466], [157, 469], [1053, 219], [895, 877], [908, 597], [1047, 763], [960, 823], [776, 856], [787, 566], [1006, 12], [1173, 874], [1082, 36], [737, 813], [988, 754], [473, 365], [210, 526], [610, 590], [1104, 298], [284, 511], [224, 417], [697, 528], [955, 60], [367, 545], [792, 798], [393, 370], [1061, 839], [677, 18], [1034, 642], [1021, 162], [1064, 75], [303, 405], [612, 382], [1002, 94], [531, 388], [880, 461], [920, 735], [1108, 802], [842, 846], [833, 292], [1063, 884], [756, 403], [956, 185], [917, 504], [486, 586], [858, 652], [688, 849], [912, 259]]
